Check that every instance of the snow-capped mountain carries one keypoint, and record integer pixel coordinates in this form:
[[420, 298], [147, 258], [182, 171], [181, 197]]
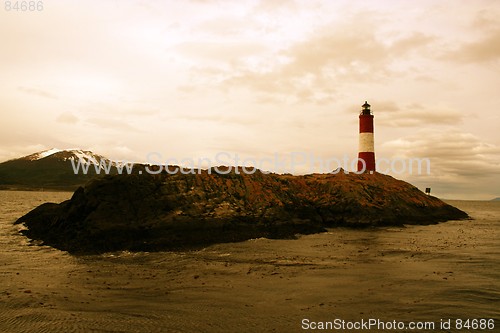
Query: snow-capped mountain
[[42, 154], [54, 168], [66, 154]]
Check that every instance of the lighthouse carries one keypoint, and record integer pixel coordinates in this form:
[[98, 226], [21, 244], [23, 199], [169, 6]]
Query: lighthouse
[[366, 146]]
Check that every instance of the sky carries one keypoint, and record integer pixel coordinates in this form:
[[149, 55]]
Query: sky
[[260, 80]]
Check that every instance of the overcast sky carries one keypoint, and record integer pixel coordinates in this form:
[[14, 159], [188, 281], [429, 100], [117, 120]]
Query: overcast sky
[[189, 79]]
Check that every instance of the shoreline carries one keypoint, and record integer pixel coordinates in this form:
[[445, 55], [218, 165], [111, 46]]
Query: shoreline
[[37, 189], [162, 212]]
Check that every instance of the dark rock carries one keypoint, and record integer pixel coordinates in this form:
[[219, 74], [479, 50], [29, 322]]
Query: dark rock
[[164, 212]]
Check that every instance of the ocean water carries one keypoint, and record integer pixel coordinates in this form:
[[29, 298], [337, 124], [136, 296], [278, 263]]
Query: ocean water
[[435, 273]]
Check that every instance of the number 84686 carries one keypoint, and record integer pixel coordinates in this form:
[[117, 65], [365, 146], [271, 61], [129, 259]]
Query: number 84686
[[23, 6]]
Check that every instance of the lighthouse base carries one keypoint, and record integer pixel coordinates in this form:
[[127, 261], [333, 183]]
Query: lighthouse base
[[369, 162]]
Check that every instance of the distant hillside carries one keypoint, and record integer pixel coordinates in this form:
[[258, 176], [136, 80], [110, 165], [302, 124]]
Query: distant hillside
[[496, 199], [52, 169]]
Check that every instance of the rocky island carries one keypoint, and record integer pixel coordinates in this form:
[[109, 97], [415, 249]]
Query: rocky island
[[181, 211]]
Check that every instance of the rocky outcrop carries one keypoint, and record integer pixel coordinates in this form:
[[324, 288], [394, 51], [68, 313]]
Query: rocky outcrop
[[173, 211]]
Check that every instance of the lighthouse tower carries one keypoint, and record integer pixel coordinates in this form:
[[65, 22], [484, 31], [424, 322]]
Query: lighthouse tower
[[366, 147]]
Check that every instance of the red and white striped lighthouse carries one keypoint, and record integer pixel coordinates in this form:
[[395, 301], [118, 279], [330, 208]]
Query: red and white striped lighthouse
[[366, 146]]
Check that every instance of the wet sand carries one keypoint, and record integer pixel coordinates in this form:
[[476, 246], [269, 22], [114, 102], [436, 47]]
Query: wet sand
[[449, 270]]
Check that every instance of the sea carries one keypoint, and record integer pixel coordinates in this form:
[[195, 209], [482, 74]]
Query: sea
[[434, 278]]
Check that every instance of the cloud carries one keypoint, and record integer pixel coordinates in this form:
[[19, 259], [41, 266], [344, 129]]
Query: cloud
[[412, 115], [220, 51], [223, 119], [109, 123], [311, 69], [484, 50], [414, 42], [275, 5], [486, 20], [37, 92], [484, 45], [68, 118], [461, 164], [451, 152], [224, 26]]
